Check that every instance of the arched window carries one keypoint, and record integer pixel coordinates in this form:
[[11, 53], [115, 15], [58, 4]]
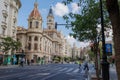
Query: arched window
[[29, 38], [49, 27], [36, 38], [29, 46], [50, 20], [37, 24], [35, 46], [40, 47], [30, 24]]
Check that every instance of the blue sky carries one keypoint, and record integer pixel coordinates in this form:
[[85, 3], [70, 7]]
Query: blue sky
[[44, 5]]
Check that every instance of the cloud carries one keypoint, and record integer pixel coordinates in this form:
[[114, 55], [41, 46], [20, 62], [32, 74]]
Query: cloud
[[75, 7], [60, 9], [79, 44], [70, 39]]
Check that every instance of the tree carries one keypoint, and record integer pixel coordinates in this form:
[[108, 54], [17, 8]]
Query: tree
[[84, 24], [8, 44], [15, 45], [114, 14]]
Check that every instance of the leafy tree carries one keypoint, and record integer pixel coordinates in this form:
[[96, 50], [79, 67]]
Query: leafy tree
[[15, 45], [84, 24], [6, 44], [9, 44], [114, 15], [91, 54]]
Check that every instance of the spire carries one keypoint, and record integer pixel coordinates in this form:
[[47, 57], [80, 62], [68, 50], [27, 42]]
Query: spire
[[35, 4], [50, 12]]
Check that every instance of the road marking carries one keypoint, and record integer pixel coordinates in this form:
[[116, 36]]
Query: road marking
[[50, 76], [35, 75], [69, 70], [76, 70], [63, 69]]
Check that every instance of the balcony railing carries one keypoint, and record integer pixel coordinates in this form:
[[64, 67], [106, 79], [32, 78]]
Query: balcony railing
[[5, 13]]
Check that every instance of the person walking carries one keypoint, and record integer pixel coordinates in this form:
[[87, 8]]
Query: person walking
[[80, 64], [86, 66]]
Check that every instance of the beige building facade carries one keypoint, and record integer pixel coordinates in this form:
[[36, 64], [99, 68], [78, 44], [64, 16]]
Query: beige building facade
[[38, 42]]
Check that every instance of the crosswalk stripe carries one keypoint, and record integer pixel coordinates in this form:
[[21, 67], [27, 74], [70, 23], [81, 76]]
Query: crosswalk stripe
[[58, 68], [69, 70], [63, 69], [76, 70]]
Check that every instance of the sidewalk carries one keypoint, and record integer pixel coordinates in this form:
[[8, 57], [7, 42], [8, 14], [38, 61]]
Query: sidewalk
[[8, 66], [112, 73]]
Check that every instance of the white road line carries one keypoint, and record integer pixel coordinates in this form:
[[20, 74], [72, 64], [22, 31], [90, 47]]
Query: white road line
[[69, 70], [63, 69], [50, 76], [58, 68], [76, 70]]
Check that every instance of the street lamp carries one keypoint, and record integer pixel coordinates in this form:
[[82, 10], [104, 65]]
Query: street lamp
[[105, 64]]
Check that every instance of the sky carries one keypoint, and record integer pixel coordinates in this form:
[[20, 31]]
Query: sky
[[59, 10]]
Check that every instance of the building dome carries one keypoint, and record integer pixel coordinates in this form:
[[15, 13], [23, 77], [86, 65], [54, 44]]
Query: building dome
[[35, 12]]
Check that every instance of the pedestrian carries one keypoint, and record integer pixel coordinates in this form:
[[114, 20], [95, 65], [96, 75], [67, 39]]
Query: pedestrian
[[28, 62], [22, 61], [86, 66], [79, 64]]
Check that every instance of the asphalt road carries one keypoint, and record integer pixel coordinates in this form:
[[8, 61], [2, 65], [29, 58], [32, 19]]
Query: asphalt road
[[44, 72]]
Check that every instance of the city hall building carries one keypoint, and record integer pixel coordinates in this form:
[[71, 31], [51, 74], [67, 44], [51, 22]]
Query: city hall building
[[38, 42]]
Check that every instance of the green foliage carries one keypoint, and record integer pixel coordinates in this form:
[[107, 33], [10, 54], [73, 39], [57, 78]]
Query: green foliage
[[84, 23], [8, 43], [91, 54]]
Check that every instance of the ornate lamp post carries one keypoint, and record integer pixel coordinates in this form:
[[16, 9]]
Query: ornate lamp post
[[105, 64]]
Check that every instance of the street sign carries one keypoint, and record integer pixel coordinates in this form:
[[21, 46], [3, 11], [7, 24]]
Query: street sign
[[108, 49]]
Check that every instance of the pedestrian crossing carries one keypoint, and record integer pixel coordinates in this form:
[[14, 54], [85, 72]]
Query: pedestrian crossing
[[51, 68], [33, 72]]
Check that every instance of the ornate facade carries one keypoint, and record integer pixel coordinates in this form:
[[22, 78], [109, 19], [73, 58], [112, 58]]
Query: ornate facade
[[8, 17], [8, 23], [38, 42]]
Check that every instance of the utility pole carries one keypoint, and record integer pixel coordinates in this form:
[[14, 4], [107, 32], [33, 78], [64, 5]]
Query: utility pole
[[105, 64]]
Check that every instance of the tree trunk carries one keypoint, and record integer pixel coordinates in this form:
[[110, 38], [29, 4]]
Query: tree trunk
[[113, 10]]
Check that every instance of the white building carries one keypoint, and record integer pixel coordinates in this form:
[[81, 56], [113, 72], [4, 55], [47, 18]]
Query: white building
[[8, 17], [8, 22]]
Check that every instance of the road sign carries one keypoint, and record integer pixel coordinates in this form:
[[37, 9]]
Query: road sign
[[108, 49]]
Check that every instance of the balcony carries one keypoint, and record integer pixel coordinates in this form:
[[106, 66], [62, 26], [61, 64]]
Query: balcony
[[4, 24], [5, 13]]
